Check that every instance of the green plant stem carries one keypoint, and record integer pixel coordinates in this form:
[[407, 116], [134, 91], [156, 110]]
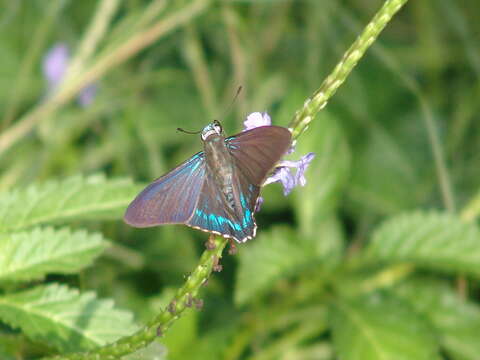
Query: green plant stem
[[185, 297], [339, 74], [387, 277], [122, 53], [29, 61], [106, 9]]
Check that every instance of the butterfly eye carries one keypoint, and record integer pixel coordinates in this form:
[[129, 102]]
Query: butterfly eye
[[217, 127]]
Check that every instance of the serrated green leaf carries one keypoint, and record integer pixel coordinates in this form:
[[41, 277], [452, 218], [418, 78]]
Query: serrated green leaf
[[437, 241], [282, 252], [93, 197], [64, 318], [380, 327], [326, 175], [456, 320], [33, 254]]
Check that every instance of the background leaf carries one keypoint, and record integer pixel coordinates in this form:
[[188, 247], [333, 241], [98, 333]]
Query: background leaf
[[456, 320], [381, 327], [279, 253], [434, 240], [33, 254], [326, 175], [92, 198], [65, 319]]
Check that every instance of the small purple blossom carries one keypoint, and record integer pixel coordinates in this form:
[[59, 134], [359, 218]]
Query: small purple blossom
[[87, 95], [257, 119], [54, 67], [55, 63], [283, 172]]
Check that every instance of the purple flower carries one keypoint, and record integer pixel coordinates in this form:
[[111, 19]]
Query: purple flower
[[55, 63], [283, 172], [54, 67], [87, 95], [257, 119]]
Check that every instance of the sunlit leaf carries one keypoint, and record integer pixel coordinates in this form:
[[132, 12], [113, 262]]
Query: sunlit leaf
[[64, 318], [438, 241], [93, 197], [380, 327], [33, 254]]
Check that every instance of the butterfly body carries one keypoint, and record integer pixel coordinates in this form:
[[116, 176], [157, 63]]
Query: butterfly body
[[215, 190]]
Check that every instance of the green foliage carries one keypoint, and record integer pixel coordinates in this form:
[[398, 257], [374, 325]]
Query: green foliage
[[61, 317], [91, 198], [456, 320], [432, 240], [33, 254], [379, 326], [376, 257]]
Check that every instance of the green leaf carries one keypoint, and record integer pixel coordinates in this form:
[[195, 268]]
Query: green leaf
[[432, 240], [33, 254], [326, 175], [74, 198], [456, 320], [380, 327], [281, 252], [64, 318]]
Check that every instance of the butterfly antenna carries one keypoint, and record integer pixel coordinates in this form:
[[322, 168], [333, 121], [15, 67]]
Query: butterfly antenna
[[189, 132], [239, 90]]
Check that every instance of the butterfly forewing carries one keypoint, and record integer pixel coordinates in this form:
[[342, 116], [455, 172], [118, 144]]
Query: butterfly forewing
[[256, 151], [170, 199]]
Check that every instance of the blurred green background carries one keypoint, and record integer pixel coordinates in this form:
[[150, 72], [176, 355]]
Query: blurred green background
[[402, 133]]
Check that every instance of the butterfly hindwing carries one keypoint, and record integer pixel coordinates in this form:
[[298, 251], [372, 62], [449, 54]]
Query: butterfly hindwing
[[172, 198], [213, 215]]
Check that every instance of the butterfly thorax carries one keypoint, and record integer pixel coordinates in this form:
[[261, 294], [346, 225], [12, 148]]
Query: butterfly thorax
[[220, 165]]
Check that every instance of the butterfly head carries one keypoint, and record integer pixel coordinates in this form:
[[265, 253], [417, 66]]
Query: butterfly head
[[213, 128]]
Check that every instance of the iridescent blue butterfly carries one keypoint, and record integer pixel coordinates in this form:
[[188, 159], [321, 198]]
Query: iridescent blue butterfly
[[216, 190]]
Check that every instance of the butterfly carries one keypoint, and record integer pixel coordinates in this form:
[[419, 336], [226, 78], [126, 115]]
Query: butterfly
[[216, 190]]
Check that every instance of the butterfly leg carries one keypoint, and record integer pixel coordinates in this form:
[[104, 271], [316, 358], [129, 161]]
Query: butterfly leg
[[233, 248], [217, 267], [210, 244]]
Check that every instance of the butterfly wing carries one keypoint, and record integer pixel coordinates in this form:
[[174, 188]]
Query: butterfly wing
[[172, 198], [214, 216], [254, 153]]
